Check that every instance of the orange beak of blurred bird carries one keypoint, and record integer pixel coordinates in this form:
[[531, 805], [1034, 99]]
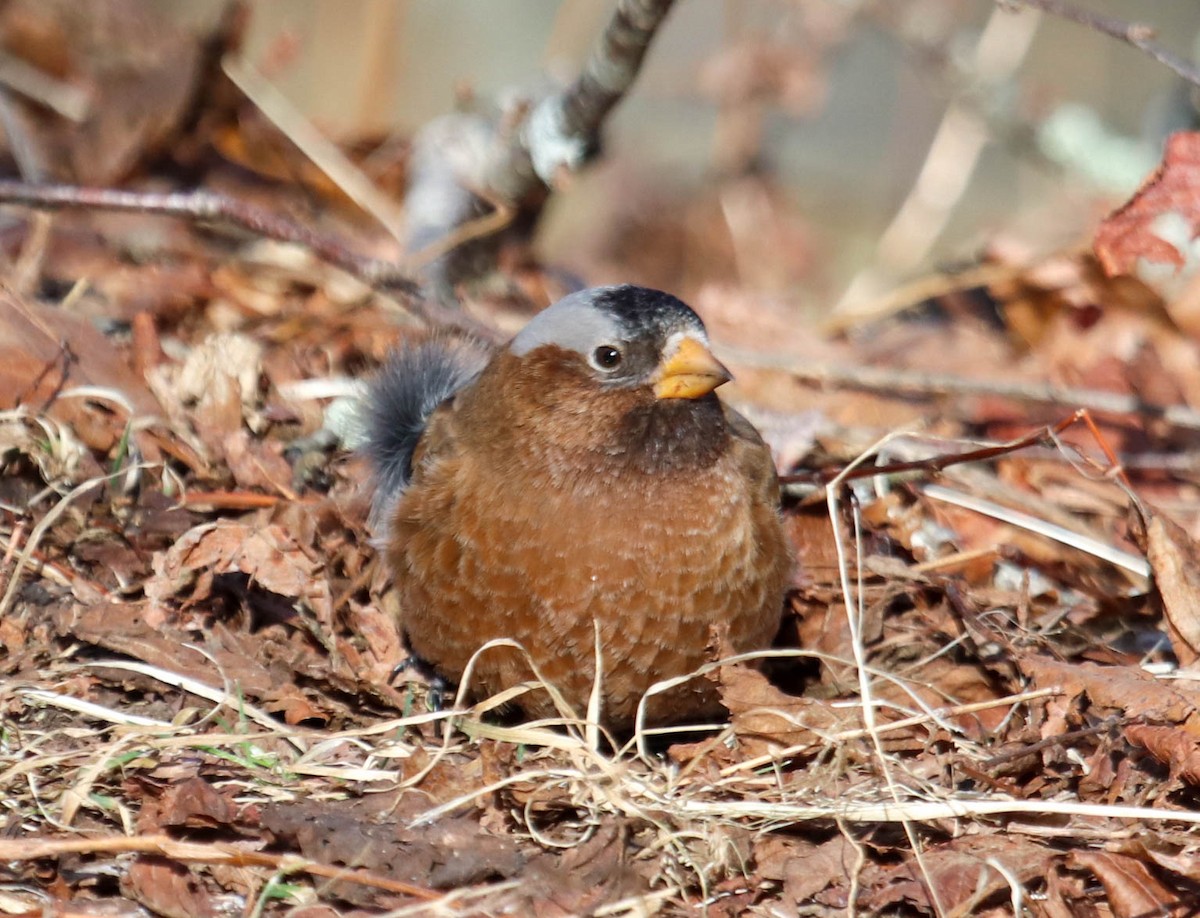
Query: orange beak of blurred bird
[[583, 477]]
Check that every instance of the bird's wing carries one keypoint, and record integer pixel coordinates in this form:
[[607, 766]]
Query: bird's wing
[[754, 456]]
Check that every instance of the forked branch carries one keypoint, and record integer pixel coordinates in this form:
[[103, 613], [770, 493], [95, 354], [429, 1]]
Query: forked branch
[[1138, 34]]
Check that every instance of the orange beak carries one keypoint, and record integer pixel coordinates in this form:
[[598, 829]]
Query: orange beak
[[690, 372]]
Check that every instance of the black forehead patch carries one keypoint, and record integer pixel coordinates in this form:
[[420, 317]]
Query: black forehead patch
[[640, 310]]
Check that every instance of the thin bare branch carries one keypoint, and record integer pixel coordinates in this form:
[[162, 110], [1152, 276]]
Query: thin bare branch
[[903, 383], [1041, 436], [214, 208], [471, 173], [320, 150], [1138, 34], [38, 847], [561, 131], [206, 206]]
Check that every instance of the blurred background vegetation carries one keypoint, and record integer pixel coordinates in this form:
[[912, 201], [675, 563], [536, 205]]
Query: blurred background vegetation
[[819, 153], [996, 127]]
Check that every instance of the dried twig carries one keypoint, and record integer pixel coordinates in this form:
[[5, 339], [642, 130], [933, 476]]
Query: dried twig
[[215, 208], [207, 206], [932, 464], [899, 383], [68, 101], [561, 131], [1138, 34], [1042, 436], [1050, 742], [471, 173], [321, 151], [38, 847]]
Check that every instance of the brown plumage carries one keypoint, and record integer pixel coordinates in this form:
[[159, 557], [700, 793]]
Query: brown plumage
[[554, 490]]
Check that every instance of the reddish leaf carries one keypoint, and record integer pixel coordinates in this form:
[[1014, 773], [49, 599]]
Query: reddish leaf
[[1175, 746], [964, 870], [192, 803], [1175, 559], [1128, 234], [270, 556], [1131, 888], [166, 888]]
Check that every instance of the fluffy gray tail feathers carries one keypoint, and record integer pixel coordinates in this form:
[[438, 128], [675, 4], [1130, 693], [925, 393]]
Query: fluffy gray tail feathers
[[415, 380]]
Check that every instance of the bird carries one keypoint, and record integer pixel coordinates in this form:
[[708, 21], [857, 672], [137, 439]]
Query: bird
[[583, 493]]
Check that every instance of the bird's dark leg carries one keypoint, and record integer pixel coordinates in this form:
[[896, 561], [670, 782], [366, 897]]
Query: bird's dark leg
[[439, 686]]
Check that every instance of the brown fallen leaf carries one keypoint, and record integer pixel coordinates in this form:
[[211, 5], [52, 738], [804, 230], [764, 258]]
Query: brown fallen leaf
[[1185, 863], [964, 872], [1128, 234], [764, 717], [167, 888], [375, 628], [135, 630], [1175, 559], [1123, 689], [1174, 746], [257, 463], [581, 879], [1132, 890], [452, 852], [804, 868], [45, 351], [214, 391], [268, 555], [193, 803], [289, 701]]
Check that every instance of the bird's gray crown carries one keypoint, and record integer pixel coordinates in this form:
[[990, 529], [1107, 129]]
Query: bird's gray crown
[[589, 318]]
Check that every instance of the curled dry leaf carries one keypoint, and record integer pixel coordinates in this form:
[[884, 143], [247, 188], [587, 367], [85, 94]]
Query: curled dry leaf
[[1131, 888], [167, 888], [272, 559], [1175, 559], [804, 868], [1122, 689], [1134, 231], [1176, 747], [964, 871], [763, 713], [220, 378]]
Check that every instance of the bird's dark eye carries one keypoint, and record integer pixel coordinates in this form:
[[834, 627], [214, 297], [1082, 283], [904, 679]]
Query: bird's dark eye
[[606, 357]]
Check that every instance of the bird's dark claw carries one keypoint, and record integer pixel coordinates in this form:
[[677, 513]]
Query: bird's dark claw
[[439, 687]]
